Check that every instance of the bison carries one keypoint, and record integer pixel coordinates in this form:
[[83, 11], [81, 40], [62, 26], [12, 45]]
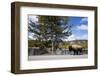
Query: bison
[[76, 49]]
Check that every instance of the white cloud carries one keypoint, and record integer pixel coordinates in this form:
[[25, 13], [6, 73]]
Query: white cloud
[[82, 27], [30, 35], [34, 18], [84, 19], [74, 37]]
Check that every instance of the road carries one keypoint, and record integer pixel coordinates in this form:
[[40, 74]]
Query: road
[[50, 57]]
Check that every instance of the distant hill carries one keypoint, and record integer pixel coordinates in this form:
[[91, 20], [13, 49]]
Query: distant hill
[[83, 43], [65, 44], [77, 42]]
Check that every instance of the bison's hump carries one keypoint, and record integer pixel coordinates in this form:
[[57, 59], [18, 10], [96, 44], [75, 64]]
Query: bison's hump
[[76, 46]]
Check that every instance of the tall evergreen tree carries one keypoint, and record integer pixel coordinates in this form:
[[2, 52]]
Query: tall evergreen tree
[[50, 28]]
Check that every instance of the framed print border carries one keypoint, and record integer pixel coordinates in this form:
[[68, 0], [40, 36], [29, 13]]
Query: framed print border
[[15, 37]]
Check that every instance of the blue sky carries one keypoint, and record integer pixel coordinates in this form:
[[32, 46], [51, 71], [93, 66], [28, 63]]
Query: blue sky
[[79, 27]]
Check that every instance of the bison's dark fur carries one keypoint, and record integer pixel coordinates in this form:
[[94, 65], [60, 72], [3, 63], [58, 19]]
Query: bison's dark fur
[[76, 49]]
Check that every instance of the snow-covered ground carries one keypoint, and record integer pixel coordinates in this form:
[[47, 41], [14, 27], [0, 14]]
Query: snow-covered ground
[[47, 57]]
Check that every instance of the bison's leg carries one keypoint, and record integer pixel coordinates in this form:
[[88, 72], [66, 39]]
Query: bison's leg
[[80, 51], [76, 51], [70, 49]]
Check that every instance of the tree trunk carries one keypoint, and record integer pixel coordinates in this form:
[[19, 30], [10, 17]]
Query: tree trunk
[[52, 52]]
